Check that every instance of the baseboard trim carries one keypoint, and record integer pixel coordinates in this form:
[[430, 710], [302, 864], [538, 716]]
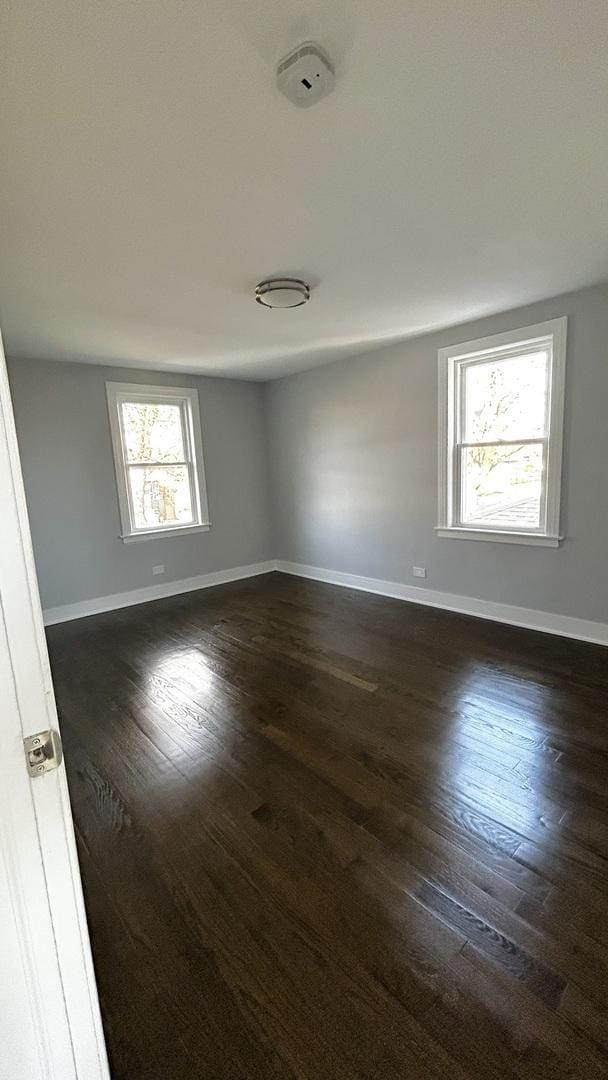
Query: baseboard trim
[[153, 592], [545, 621]]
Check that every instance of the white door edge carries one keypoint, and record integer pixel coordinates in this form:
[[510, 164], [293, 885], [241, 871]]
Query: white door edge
[[58, 1024]]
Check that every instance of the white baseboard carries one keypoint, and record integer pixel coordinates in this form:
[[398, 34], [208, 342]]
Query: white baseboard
[[153, 592], [546, 621]]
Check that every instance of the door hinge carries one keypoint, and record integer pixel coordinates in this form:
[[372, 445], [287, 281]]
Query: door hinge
[[43, 752]]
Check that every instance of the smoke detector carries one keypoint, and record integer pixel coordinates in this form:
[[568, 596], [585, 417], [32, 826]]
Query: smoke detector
[[306, 75], [282, 292]]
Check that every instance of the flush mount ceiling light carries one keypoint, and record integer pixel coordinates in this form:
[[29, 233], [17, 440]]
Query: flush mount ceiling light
[[282, 292]]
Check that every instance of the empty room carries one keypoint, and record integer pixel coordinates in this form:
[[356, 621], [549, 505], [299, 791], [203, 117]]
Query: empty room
[[303, 588]]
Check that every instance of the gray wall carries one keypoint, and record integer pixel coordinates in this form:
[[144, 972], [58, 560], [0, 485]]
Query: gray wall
[[353, 451], [64, 439]]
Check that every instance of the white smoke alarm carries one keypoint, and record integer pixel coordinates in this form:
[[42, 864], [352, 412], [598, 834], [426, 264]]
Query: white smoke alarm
[[306, 75]]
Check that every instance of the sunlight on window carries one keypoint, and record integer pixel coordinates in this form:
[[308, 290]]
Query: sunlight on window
[[152, 432], [502, 485], [506, 399], [160, 496], [157, 473], [501, 479], [500, 428]]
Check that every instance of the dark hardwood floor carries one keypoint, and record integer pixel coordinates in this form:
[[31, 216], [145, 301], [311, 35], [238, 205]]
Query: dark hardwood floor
[[326, 835]]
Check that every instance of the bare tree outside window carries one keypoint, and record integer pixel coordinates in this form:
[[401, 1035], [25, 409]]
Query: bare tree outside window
[[501, 415], [158, 456], [157, 470], [504, 401]]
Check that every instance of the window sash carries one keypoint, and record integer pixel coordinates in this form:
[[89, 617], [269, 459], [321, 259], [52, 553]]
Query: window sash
[[120, 394], [185, 421], [502, 442], [184, 409], [453, 360], [459, 521], [191, 473], [460, 366]]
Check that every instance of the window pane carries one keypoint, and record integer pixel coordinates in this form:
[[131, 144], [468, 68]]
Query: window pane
[[152, 432], [501, 486], [505, 399], [160, 495]]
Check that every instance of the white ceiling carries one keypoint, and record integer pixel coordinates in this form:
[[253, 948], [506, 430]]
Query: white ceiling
[[153, 174]]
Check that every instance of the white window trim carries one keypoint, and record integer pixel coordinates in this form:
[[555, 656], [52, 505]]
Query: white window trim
[[117, 393], [553, 334]]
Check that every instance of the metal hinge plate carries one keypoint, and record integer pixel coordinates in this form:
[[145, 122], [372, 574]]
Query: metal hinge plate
[[43, 752]]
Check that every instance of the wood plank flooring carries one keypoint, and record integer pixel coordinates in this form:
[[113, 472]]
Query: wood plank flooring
[[326, 835]]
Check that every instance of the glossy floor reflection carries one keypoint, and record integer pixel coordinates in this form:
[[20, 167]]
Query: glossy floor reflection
[[330, 835]]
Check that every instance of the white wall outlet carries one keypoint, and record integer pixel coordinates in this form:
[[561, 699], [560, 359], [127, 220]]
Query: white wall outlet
[[158, 569], [419, 571]]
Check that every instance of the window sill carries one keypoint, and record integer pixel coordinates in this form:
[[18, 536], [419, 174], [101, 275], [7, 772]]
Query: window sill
[[159, 534], [497, 537]]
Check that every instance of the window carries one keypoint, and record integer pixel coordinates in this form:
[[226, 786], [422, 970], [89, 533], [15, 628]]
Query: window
[[501, 405], [158, 454]]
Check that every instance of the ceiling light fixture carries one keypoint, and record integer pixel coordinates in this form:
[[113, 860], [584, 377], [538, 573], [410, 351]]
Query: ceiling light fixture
[[282, 292]]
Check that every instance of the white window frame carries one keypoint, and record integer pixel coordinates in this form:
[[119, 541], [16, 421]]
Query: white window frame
[[187, 399], [452, 360]]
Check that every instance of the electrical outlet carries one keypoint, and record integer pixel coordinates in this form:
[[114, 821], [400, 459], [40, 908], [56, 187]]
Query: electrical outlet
[[419, 571], [158, 569]]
